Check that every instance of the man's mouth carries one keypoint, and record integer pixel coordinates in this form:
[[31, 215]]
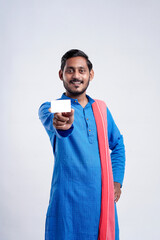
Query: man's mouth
[[76, 82]]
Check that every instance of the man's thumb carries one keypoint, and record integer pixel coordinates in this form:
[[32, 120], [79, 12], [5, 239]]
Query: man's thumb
[[69, 114]]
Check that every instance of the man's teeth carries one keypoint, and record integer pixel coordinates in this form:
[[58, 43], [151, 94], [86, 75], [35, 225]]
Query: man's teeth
[[76, 82]]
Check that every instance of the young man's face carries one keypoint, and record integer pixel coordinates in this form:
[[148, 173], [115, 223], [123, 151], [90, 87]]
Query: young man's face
[[76, 76]]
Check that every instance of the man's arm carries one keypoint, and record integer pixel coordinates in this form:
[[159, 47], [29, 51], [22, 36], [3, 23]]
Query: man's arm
[[117, 148]]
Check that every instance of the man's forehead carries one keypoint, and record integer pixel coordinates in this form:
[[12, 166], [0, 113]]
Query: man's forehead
[[76, 62]]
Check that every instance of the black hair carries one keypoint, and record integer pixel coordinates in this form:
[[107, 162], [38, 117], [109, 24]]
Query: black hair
[[75, 53]]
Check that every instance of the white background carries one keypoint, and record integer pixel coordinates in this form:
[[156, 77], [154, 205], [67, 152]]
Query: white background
[[122, 40]]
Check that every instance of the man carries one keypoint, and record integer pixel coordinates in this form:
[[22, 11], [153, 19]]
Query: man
[[75, 207]]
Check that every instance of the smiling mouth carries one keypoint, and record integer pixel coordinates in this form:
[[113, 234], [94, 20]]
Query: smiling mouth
[[76, 82]]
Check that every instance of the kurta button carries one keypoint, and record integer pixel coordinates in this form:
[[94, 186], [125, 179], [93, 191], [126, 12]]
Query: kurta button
[[89, 130], [87, 118]]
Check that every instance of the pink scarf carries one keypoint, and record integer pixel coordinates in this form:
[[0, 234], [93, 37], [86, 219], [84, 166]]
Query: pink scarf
[[107, 216]]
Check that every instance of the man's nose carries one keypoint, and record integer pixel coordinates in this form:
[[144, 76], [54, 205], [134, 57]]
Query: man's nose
[[76, 74]]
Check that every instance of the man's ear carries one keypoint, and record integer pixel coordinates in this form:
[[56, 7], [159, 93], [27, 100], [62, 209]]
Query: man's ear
[[61, 74], [91, 74]]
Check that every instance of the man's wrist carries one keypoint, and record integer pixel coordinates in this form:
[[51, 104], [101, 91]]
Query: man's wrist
[[64, 133], [117, 184]]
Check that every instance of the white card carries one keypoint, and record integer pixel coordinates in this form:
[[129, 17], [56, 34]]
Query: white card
[[61, 106]]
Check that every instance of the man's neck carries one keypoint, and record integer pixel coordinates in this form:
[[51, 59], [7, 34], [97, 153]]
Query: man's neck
[[82, 98]]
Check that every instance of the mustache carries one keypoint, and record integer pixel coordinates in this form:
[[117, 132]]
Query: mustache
[[76, 80]]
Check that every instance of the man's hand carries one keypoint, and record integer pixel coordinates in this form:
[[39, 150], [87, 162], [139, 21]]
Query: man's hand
[[117, 191], [63, 121]]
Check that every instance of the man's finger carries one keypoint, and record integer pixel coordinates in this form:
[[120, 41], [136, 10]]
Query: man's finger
[[61, 118], [117, 196], [68, 114], [58, 123], [62, 127], [116, 199]]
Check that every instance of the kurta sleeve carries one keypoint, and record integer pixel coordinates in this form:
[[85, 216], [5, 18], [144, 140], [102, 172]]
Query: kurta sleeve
[[46, 118], [117, 148]]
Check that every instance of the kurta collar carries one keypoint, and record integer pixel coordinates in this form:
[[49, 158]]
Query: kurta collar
[[73, 100]]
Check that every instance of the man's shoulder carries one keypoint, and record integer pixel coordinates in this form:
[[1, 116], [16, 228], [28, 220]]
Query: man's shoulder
[[100, 102]]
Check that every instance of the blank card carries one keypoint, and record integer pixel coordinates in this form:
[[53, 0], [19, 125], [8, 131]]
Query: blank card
[[61, 106]]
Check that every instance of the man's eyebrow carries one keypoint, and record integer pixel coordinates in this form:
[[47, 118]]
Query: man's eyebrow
[[82, 67], [70, 67]]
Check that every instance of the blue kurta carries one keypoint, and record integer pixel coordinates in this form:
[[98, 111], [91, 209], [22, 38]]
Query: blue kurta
[[75, 198]]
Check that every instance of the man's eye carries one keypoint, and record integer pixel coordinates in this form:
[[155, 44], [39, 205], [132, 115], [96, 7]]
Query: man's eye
[[82, 70], [69, 71]]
